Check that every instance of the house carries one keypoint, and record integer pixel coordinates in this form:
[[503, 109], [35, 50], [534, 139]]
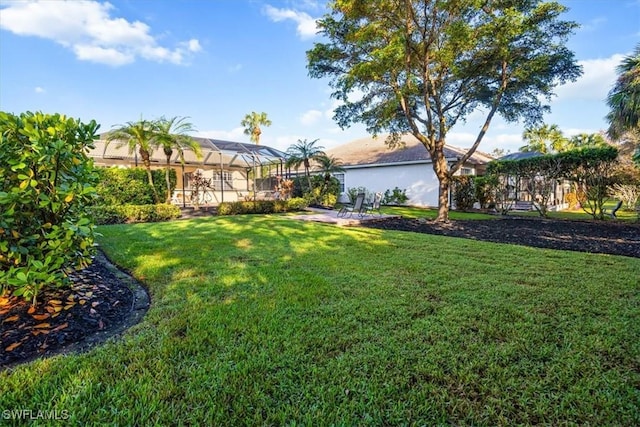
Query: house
[[370, 163], [226, 168]]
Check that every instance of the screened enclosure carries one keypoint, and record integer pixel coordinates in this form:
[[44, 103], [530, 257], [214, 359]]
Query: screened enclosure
[[226, 171]]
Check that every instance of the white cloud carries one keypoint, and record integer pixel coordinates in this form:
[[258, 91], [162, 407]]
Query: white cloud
[[87, 28], [310, 117], [102, 55], [39, 89], [598, 78], [306, 28], [193, 45]]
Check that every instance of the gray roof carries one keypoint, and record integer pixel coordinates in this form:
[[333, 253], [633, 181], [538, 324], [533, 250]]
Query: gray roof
[[374, 151]]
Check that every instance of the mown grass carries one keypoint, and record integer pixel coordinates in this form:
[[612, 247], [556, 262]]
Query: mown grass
[[263, 320]]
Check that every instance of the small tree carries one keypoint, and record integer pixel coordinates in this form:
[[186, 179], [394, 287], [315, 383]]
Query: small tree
[[46, 183], [137, 136], [592, 169], [464, 193], [173, 134], [541, 176], [302, 153]]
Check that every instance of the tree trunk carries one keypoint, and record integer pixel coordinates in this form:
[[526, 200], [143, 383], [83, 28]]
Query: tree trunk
[[441, 168], [146, 161], [166, 174]]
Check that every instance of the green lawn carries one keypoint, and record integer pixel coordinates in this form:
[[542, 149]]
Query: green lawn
[[263, 320]]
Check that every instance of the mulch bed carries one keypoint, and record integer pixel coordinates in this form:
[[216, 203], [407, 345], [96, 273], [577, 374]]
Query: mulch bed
[[104, 301], [609, 237], [101, 303]]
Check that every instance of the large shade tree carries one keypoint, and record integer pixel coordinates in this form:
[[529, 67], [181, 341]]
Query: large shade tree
[[422, 66], [172, 134], [624, 101], [137, 136], [253, 123]]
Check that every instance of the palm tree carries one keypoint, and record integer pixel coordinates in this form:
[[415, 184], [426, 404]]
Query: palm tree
[[624, 98], [328, 165], [252, 123], [587, 140], [173, 134], [543, 139], [302, 153], [137, 135]]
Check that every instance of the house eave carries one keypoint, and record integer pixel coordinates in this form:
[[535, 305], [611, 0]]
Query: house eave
[[405, 163]]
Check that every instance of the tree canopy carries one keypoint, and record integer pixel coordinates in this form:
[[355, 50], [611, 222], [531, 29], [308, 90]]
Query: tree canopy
[[422, 66], [252, 125], [624, 97], [301, 153], [624, 102], [548, 139], [173, 134]]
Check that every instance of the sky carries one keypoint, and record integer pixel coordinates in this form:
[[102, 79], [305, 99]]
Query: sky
[[216, 61]]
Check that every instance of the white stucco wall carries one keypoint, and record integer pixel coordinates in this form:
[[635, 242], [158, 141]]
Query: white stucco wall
[[418, 180]]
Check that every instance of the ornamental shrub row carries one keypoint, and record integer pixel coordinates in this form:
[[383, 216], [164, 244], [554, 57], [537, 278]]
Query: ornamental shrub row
[[262, 206], [120, 214]]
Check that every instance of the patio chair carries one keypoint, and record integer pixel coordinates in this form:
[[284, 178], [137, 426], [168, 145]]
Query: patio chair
[[357, 207], [374, 206]]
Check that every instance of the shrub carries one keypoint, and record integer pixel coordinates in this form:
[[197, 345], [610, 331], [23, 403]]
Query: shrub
[[353, 193], [323, 191], [130, 186], [629, 194], [46, 182], [120, 214], [464, 195], [482, 187], [296, 204], [395, 197], [262, 206]]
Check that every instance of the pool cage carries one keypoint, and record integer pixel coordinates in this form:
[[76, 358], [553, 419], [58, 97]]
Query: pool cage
[[227, 171]]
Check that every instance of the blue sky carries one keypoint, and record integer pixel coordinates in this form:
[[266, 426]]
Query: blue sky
[[215, 61]]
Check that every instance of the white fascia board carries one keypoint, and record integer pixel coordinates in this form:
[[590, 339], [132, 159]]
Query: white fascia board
[[381, 165]]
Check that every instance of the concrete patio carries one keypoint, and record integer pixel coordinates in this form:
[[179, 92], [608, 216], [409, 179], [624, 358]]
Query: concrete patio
[[331, 217]]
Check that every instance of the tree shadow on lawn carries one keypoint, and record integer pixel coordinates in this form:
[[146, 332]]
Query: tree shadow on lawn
[[104, 301]]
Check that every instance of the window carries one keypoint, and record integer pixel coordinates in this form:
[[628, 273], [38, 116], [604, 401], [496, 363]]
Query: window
[[466, 171], [340, 178]]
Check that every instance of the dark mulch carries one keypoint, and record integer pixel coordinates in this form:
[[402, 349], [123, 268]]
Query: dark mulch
[[101, 303], [609, 237]]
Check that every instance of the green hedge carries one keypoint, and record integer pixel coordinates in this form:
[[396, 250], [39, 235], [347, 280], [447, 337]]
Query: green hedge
[[262, 206], [130, 186], [120, 214]]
